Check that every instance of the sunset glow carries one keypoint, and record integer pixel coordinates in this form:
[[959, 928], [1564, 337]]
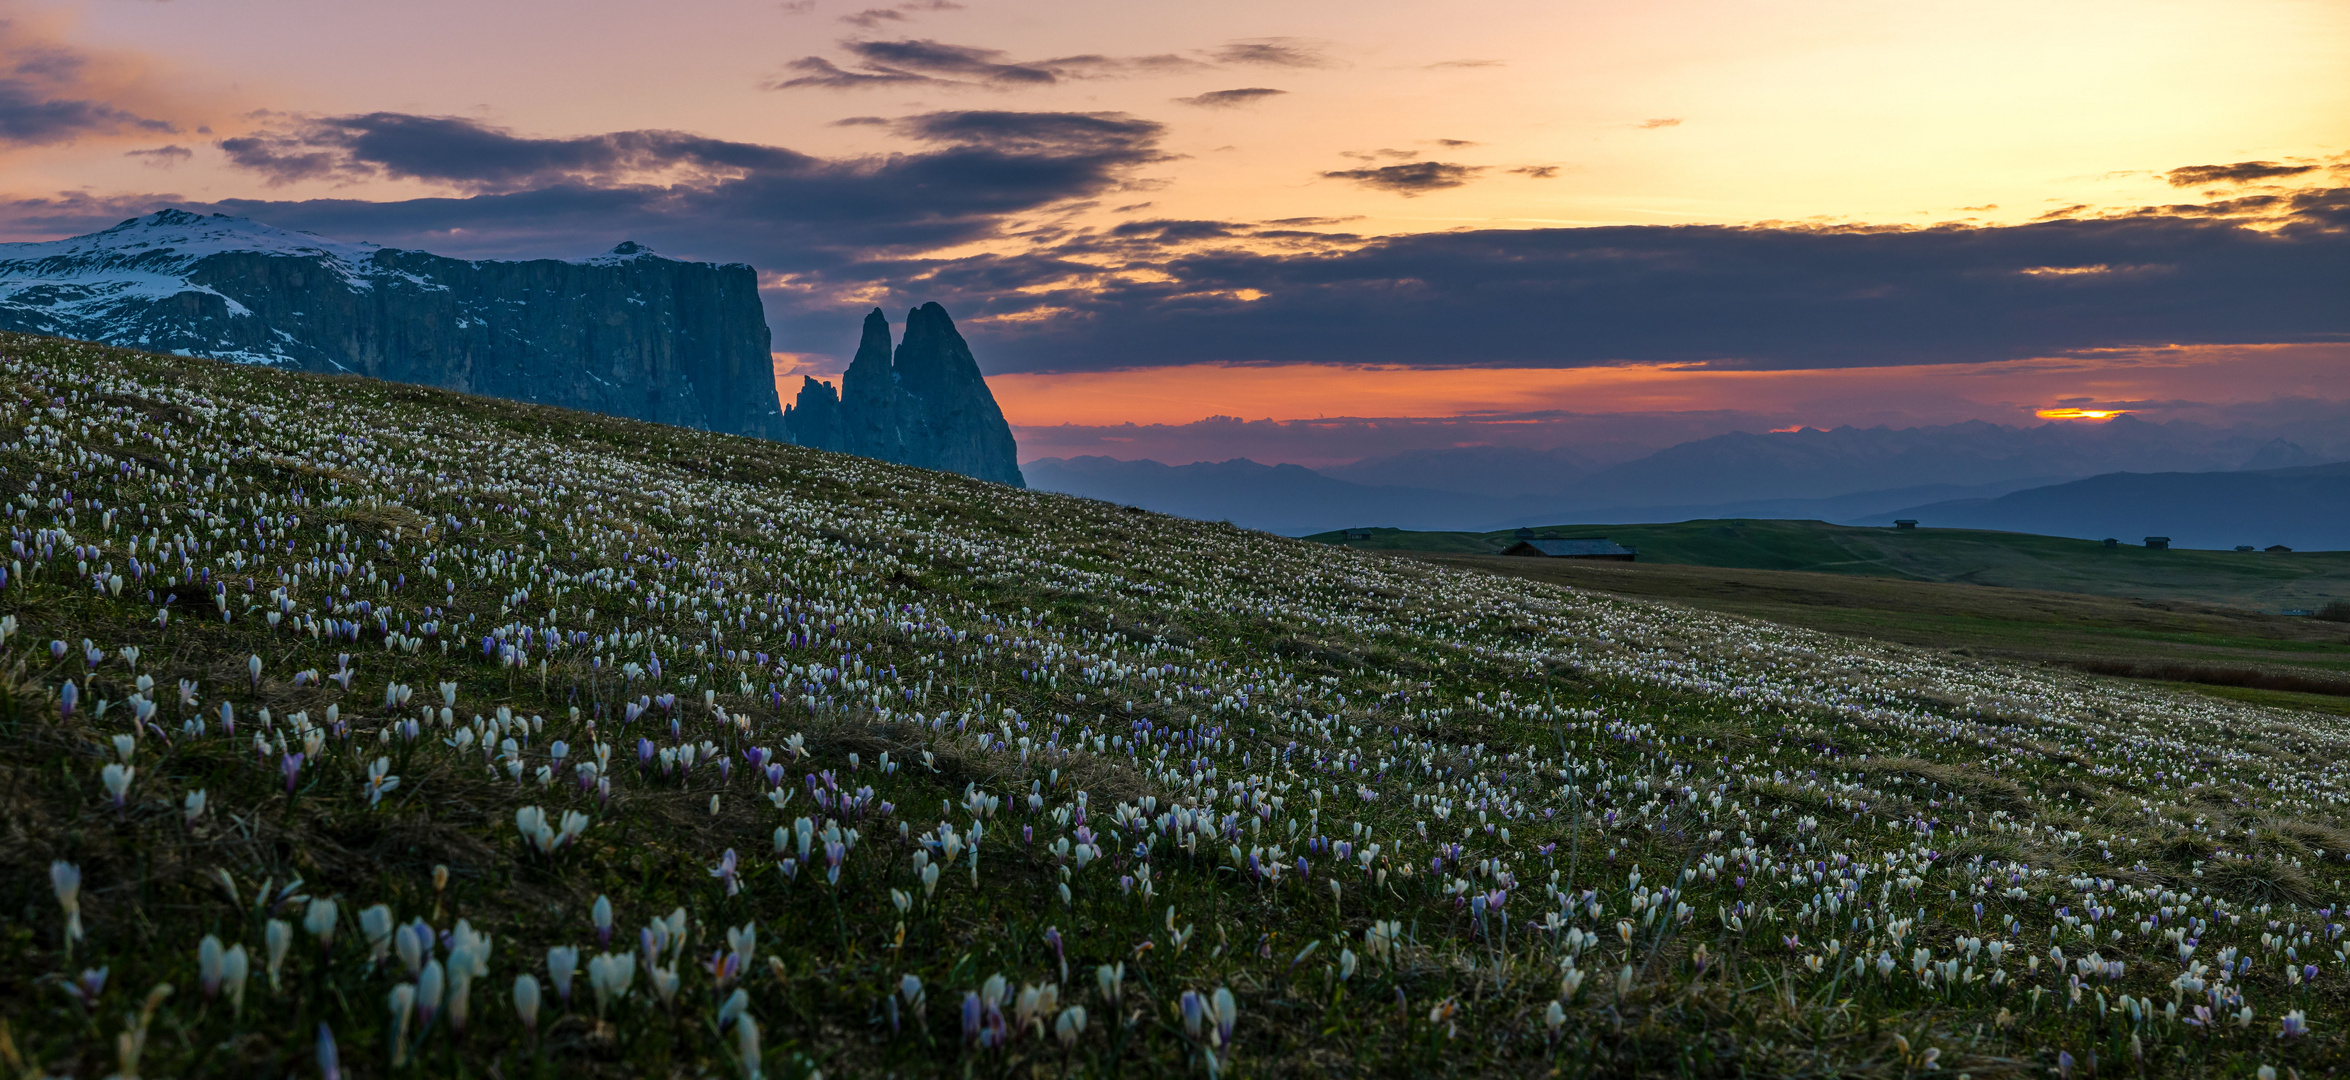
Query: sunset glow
[[2080, 414]]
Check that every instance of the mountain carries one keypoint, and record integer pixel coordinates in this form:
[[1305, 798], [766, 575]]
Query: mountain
[[1275, 498], [1297, 501], [929, 406], [1813, 463], [1498, 471], [1844, 474], [2306, 508], [627, 333]]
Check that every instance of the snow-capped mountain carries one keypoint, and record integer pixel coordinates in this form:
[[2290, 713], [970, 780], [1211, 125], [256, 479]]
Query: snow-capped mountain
[[143, 283], [628, 333]]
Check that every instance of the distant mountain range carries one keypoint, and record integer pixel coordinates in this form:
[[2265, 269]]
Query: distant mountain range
[[2306, 508], [627, 333], [1846, 474]]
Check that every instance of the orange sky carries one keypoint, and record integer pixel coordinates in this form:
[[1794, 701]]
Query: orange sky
[[2008, 392], [1654, 113]]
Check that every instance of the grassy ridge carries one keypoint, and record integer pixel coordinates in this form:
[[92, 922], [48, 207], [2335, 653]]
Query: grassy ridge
[[2013, 560], [390, 695], [2171, 640]]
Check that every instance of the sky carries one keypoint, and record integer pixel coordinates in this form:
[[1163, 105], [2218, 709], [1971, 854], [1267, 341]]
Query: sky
[[1312, 231]]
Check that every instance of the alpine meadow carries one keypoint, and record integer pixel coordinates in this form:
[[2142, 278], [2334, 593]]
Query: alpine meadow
[[362, 729]]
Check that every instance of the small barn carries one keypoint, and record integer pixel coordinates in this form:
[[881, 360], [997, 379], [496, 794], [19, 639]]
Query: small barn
[[2158, 543], [1589, 547]]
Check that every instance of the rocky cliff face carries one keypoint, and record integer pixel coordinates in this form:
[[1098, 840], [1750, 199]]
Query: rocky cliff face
[[628, 333], [927, 406]]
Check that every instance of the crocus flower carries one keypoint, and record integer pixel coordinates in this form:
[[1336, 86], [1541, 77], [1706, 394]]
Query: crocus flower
[[65, 879]]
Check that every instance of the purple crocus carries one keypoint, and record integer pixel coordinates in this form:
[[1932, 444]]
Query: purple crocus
[[293, 770]]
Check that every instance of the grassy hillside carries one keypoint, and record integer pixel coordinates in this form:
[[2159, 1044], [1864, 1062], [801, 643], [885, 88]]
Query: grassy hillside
[[2307, 661], [2255, 580], [367, 730]]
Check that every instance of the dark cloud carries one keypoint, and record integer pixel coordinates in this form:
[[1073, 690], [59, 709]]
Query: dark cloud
[[47, 95], [872, 17], [861, 121], [781, 210], [819, 73], [1226, 99], [1455, 142], [30, 117], [469, 154], [162, 156], [883, 63], [1273, 52], [1659, 122], [1718, 295], [2238, 173], [1537, 172], [940, 59], [1110, 134], [1416, 178]]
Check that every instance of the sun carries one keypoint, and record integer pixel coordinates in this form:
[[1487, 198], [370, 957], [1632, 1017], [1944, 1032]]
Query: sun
[[2080, 414]]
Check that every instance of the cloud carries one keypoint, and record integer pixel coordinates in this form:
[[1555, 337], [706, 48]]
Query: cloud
[[162, 156], [784, 211], [476, 156], [824, 74], [1466, 64], [2242, 172], [51, 93], [1659, 122], [885, 63], [1721, 296], [1273, 52], [1416, 178], [1227, 99], [1537, 172], [871, 17]]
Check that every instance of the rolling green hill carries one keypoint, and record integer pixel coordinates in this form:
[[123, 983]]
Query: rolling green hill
[[360, 729], [2257, 580]]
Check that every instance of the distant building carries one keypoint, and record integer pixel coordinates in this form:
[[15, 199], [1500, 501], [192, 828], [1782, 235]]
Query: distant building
[[2278, 549], [2245, 547], [2158, 543], [1358, 534], [1588, 547], [2112, 542], [1905, 523], [1525, 533]]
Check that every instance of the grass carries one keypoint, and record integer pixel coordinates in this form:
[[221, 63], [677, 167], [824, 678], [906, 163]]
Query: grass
[[880, 771], [2256, 580], [2177, 641]]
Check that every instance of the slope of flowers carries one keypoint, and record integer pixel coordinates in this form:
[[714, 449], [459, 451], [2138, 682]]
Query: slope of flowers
[[363, 729]]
